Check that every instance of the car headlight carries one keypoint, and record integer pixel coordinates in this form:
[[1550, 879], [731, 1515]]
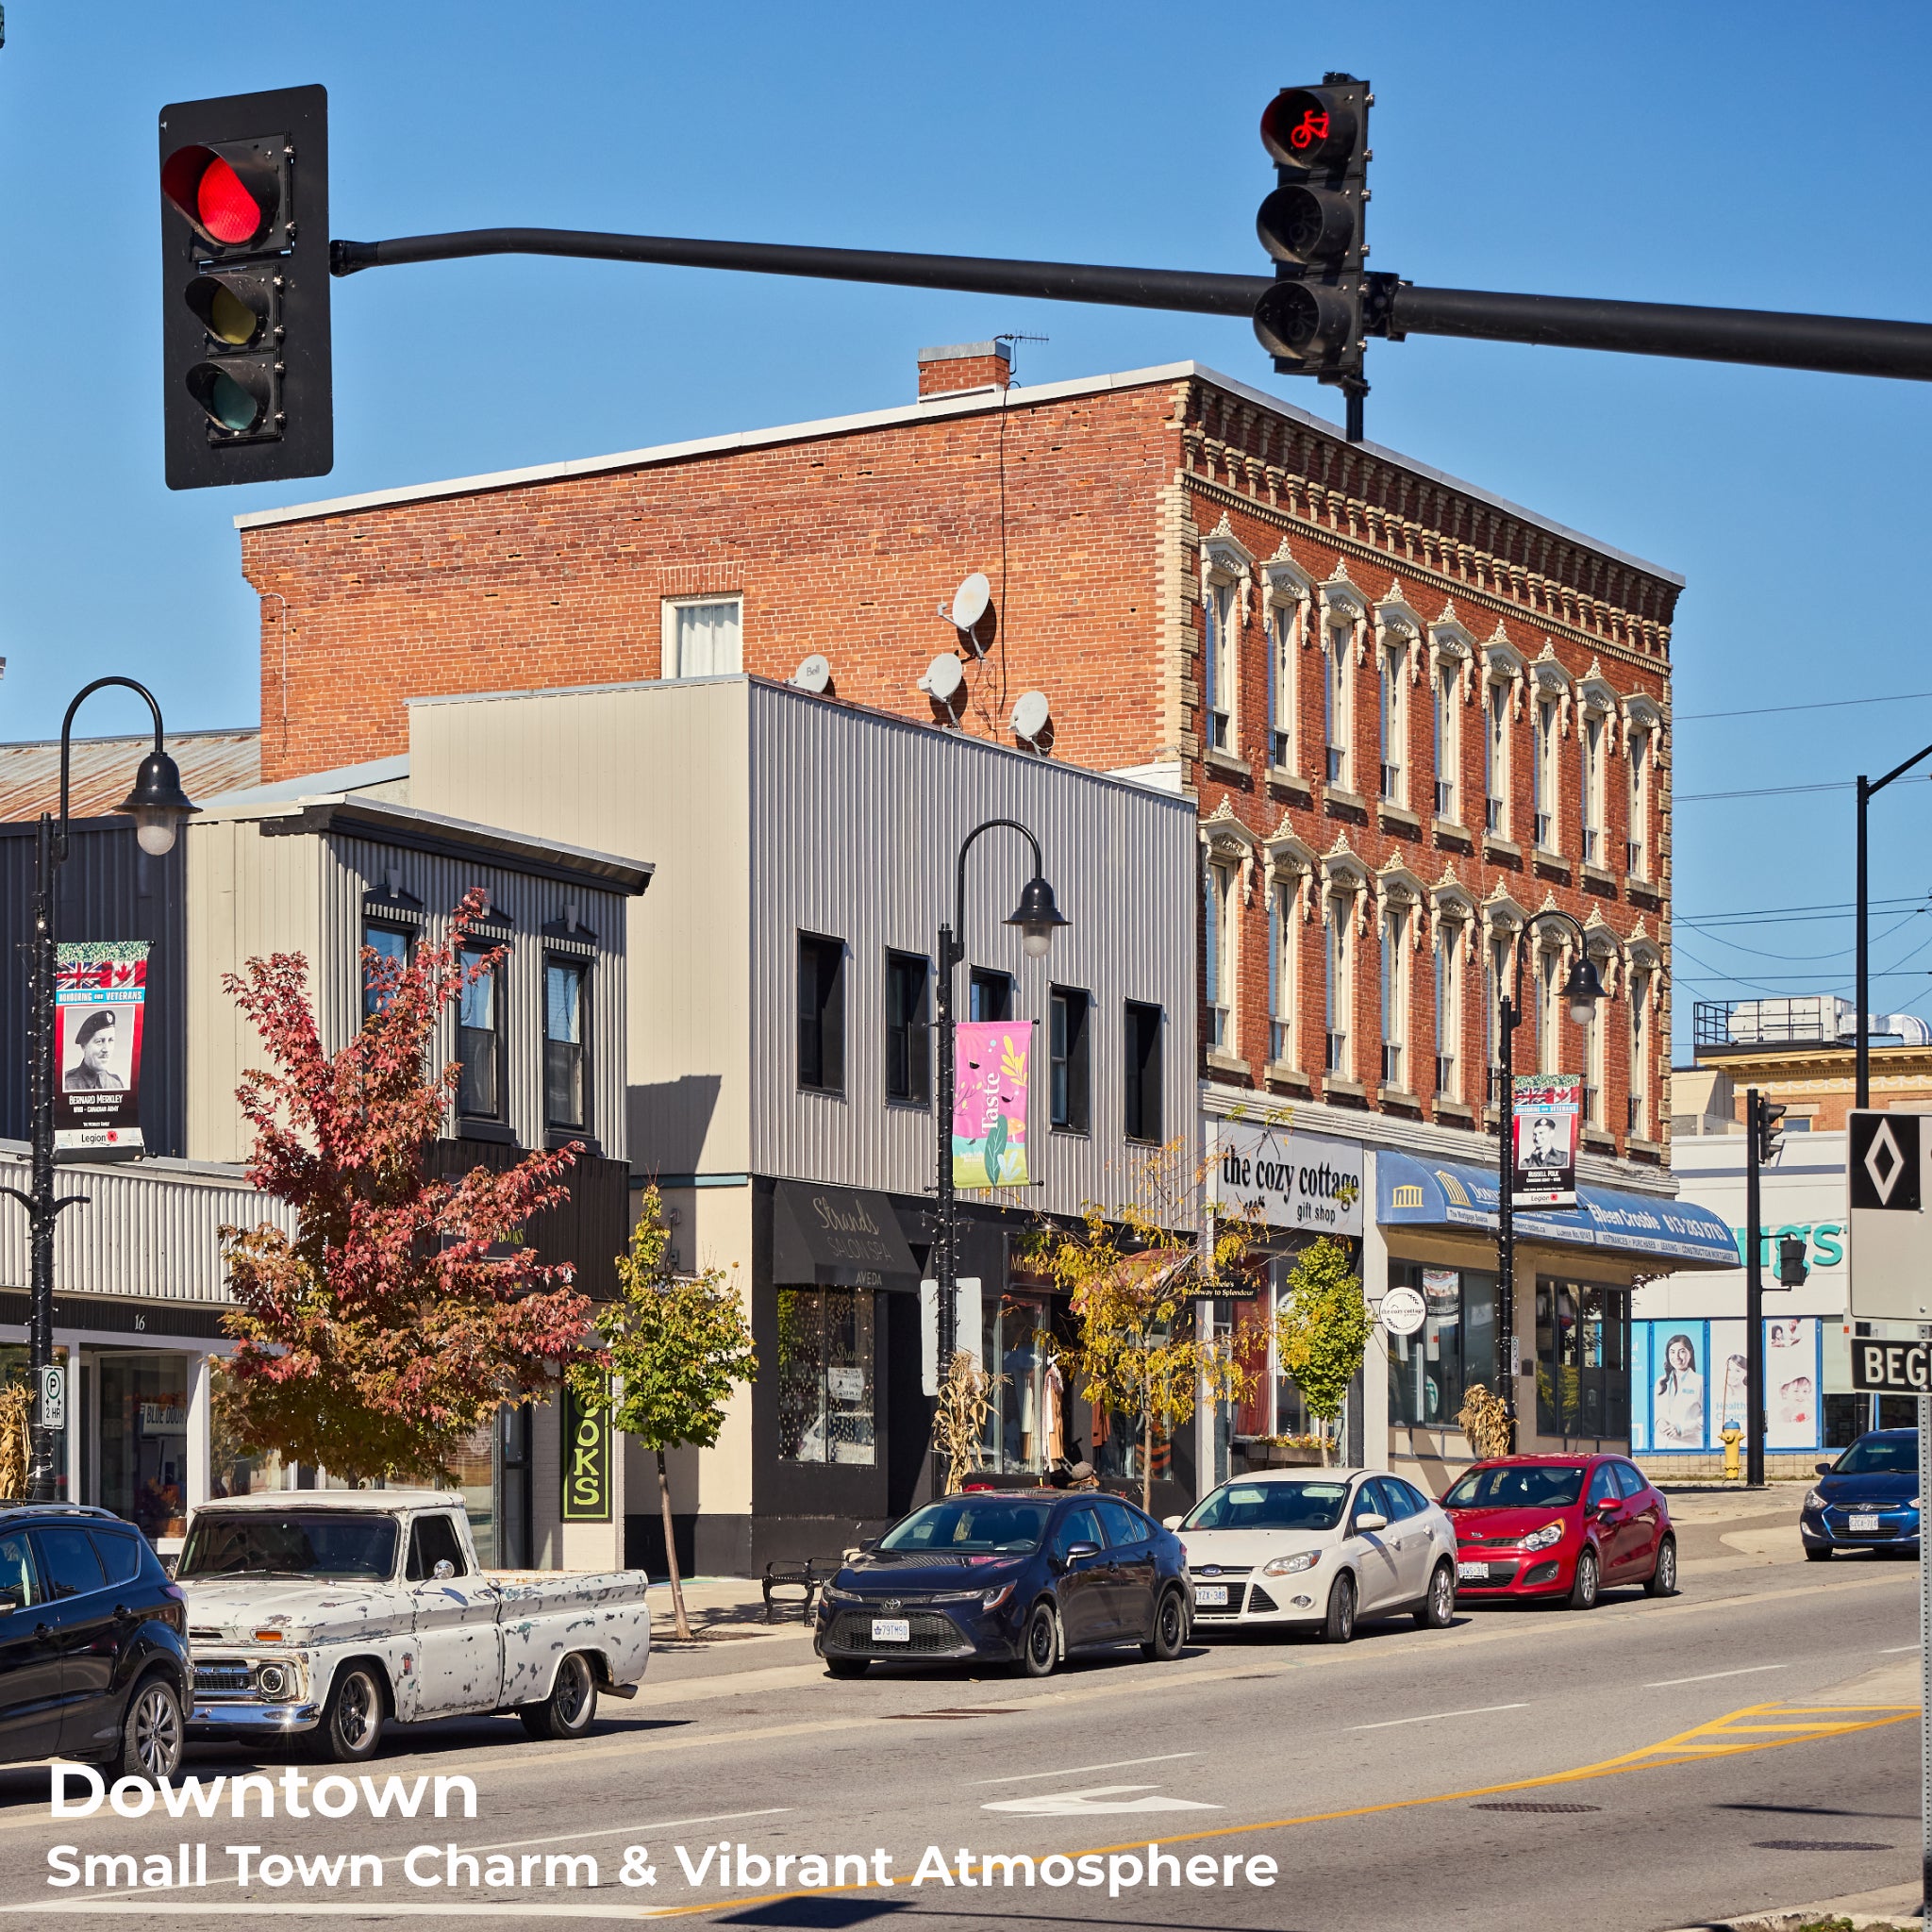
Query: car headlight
[[1813, 1499], [1913, 1503], [1542, 1539], [1292, 1566], [992, 1599], [277, 1681], [831, 1594]]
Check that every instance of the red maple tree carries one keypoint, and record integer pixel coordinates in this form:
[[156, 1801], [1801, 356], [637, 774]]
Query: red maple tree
[[405, 1306]]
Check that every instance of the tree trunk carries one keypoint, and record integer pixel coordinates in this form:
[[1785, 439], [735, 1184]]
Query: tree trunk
[[1147, 1462], [682, 1624]]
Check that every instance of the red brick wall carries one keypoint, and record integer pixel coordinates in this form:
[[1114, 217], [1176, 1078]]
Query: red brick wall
[[845, 546]]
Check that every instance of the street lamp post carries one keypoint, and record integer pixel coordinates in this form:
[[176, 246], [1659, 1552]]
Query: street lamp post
[[156, 804], [1037, 918], [1862, 990], [1581, 992]]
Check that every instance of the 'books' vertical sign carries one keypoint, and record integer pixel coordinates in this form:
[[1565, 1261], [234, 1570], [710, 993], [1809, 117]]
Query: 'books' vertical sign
[[586, 1460]]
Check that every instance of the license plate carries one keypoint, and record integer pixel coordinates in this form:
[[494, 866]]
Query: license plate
[[891, 1630], [1865, 1524], [1212, 1594], [1472, 1573]]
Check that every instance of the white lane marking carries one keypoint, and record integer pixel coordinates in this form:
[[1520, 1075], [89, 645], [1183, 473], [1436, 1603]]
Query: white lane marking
[[1389, 1723], [1096, 1801], [526, 1909], [1711, 1677], [1898, 1649], [1074, 1770]]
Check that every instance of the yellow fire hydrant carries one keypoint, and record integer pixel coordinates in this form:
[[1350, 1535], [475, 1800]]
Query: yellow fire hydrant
[[1731, 1437]]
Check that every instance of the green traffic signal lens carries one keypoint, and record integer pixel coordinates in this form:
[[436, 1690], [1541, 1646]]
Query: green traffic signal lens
[[231, 404]]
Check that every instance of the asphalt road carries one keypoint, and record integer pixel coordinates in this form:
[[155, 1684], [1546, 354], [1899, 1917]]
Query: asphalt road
[[1393, 1783]]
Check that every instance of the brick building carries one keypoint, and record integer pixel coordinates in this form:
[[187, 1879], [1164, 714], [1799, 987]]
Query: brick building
[[1413, 716]]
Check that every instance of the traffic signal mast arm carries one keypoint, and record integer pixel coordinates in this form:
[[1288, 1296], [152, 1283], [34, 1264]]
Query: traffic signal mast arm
[[1842, 344]]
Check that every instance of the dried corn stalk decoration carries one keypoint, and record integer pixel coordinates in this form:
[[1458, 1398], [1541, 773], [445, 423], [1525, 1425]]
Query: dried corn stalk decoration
[[1485, 1421], [16, 1411], [959, 1424]]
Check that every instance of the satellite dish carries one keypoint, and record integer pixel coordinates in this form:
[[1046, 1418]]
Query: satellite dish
[[1032, 717], [945, 680], [972, 614], [814, 674]]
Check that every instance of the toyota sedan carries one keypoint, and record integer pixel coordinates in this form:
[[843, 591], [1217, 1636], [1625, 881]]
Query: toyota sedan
[[1297, 1549], [1022, 1577]]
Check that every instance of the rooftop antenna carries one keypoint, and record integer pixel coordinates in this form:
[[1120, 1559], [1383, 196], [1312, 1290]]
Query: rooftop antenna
[[1014, 336], [972, 616], [814, 674]]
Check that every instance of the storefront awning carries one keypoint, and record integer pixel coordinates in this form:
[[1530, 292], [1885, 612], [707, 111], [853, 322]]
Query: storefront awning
[[828, 1237], [1450, 1193]]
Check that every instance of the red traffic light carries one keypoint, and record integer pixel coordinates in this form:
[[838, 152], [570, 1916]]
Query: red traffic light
[[1309, 127], [230, 205]]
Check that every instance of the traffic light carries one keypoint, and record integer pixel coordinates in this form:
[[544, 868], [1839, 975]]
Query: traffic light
[[1770, 1134], [245, 289], [1313, 225], [1791, 1271]]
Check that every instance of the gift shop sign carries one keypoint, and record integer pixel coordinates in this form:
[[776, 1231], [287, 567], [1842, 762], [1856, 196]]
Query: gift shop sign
[[1287, 1180]]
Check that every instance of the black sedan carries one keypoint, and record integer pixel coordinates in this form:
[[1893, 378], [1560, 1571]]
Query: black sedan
[[1024, 1577], [1866, 1500]]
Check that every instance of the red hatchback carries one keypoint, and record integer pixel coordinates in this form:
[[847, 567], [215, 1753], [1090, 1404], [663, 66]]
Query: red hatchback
[[1560, 1525]]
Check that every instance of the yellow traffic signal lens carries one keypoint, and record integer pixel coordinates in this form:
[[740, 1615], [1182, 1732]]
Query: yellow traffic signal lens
[[232, 313], [231, 319]]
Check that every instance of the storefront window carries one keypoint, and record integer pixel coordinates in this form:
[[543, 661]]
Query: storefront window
[[1025, 1422], [472, 1471], [14, 1373], [1431, 1371], [825, 1376], [233, 1470], [144, 1402], [1582, 1360]]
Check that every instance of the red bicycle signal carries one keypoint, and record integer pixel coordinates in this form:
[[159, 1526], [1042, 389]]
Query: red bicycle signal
[[1310, 128]]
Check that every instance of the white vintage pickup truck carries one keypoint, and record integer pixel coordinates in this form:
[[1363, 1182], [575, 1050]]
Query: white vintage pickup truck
[[330, 1613]]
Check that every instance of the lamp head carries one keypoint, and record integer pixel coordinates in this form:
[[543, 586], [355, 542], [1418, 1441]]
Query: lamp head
[[158, 804], [1583, 989], [1036, 917]]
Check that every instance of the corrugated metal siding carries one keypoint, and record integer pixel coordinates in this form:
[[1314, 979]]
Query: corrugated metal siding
[[146, 1231], [109, 889], [655, 771], [857, 822], [101, 770]]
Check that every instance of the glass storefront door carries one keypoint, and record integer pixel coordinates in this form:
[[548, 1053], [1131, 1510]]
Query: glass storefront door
[[142, 1471], [1025, 1422]]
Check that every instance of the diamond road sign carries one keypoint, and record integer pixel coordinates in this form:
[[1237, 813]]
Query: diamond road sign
[[1890, 1232]]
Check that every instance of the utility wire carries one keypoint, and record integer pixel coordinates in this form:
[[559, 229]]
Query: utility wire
[[1824, 704]]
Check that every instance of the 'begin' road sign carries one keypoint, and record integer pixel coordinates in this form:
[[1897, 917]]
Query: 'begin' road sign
[[1889, 1231], [1892, 1368]]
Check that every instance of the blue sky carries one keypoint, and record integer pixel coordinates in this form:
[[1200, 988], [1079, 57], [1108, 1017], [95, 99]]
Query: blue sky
[[1766, 155]]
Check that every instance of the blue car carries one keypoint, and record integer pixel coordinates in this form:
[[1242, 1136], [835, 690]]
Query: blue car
[[1023, 1577], [1866, 1500]]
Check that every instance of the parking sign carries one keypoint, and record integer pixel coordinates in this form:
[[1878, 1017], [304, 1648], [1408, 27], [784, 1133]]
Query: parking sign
[[1890, 1237]]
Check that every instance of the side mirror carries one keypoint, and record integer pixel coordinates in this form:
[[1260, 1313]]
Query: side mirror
[[1821, 1469], [443, 1568], [1368, 1520], [1606, 1503], [1171, 1522], [1075, 1551]]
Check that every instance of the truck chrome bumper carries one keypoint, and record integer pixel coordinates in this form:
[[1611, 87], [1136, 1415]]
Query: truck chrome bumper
[[253, 1720]]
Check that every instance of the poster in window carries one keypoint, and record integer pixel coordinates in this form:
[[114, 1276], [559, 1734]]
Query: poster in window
[[100, 998], [1639, 1386], [993, 1062], [1546, 1116], [1442, 1291], [1790, 1382], [1677, 1397], [1725, 1379]]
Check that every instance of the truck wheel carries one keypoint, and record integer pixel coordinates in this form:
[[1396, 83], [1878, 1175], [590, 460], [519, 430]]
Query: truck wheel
[[568, 1710], [152, 1733], [351, 1727]]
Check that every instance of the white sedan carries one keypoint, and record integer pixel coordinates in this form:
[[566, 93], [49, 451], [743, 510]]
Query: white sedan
[[1317, 1549]]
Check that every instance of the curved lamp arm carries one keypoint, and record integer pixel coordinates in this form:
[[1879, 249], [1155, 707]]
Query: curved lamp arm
[[960, 897], [81, 696]]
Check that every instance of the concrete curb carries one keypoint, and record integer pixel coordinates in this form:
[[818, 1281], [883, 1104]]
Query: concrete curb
[[1893, 1906]]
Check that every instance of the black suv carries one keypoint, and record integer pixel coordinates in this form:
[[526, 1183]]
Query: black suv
[[93, 1642]]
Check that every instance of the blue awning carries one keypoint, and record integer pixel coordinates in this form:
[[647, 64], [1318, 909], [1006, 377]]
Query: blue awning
[[1449, 1193]]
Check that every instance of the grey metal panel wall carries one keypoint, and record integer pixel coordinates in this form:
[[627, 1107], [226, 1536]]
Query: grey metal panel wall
[[353, 866], [857, 822], [109, 889], [149, 1229]]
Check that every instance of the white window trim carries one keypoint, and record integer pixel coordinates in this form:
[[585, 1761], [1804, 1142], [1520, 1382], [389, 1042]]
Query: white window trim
[[667, 635], [1289, 880], [1345, 895], [1288, 588], [1451, 678], [1343, 608], [1226, 563]]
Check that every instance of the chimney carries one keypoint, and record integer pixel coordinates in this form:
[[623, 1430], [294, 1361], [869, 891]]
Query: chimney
[[965, 366]]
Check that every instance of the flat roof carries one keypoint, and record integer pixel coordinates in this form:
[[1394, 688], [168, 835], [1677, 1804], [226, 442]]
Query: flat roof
[[964, 403]]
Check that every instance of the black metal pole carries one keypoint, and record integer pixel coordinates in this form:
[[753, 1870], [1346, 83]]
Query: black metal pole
[[1846, 344], [1754, 1295], [42, 1480], [1862, 991], [1506, 1212]]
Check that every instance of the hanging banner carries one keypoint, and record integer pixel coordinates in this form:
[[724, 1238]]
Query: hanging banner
[[586, 1460], [100, 996], [1546, 1116], [993, 1060]]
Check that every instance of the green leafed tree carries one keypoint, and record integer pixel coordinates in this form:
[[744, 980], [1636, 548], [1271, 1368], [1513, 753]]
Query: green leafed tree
[[1321, 1331], [678, 1345]]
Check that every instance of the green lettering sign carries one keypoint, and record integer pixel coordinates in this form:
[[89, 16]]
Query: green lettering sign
[[585, 1461]]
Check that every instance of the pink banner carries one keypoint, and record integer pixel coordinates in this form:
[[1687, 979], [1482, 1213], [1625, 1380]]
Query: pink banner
[[994, 1058]]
